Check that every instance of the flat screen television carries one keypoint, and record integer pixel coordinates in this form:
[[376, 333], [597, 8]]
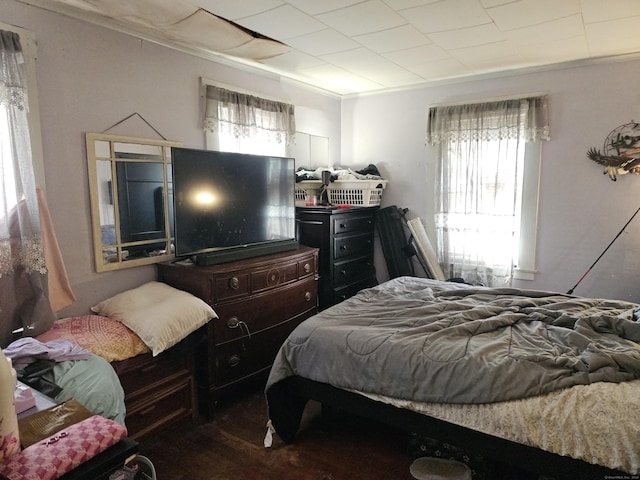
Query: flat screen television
[[230, 206]]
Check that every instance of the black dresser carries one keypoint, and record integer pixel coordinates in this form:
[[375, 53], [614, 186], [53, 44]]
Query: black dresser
[[344, 238]]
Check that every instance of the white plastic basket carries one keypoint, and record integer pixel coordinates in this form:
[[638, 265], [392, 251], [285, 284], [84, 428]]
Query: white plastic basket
[[364, 193], [307, 187]]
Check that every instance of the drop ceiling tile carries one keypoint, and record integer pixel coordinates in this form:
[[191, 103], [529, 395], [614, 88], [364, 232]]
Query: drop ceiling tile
[[386, 73], [282, 23], [357, 56], [204, 30], [142, 12], [484, 53], [322, 42], [402, 4], [414, 56], [340, 79], [555, 50], [467, 37], [365, 17], [398, 38], [446, 15], [524, 13], [440, 69], [233, 9], [258, 49], [496, 64], [612, 37], [493, 3], [567, 27], [314, 7], [293, 60], [594, 11]]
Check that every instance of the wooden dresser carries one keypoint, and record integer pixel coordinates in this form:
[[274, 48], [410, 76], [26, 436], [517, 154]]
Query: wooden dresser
[[159, 391], [345, 240], [259, 301]]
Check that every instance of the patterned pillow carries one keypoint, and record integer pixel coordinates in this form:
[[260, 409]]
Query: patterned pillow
[[101, 335]]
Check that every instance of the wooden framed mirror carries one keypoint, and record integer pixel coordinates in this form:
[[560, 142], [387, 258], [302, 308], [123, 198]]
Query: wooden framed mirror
[[131, 200]]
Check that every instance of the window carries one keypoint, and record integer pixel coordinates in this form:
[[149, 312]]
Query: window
[[244, 123], [23, 270], [487, 184]]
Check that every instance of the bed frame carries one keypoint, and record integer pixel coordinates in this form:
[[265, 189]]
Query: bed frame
[[288, 398]]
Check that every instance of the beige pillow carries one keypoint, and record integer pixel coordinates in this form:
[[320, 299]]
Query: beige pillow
[[158, 313]]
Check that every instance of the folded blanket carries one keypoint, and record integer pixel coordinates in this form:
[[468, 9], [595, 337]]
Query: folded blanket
[[58, 454]]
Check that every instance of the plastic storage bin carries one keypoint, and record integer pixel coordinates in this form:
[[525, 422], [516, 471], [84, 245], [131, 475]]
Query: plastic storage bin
[[364, 193], [307, 188]]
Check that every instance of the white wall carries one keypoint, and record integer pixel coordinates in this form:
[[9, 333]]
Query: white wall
[[580, 209], [90, 78]]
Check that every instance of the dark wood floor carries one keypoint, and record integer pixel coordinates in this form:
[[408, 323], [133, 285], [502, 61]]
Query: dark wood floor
[[231, 447]]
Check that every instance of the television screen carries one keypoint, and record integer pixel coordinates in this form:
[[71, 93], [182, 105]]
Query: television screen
[[230, 205]]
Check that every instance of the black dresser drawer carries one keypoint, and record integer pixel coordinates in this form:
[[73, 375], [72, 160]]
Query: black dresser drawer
[[345, 238], [347, 245], [342, 293], [347, 271], [353, 224]]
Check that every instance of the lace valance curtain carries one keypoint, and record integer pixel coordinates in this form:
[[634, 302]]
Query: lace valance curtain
[[524, 119], [23, 282], [244, 116]]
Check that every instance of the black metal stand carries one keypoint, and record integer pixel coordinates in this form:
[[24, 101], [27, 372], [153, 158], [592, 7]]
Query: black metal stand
[[605, 251]]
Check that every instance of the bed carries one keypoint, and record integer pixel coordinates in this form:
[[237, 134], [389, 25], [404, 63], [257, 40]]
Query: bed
[[139, 371], [543, 381]]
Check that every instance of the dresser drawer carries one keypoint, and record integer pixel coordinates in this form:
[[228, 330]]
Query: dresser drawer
[[247, 317], [140, 373], [308, 266], [347, 271], [242, 358], [161, 406], [353, 224], [231, 286], [345, 245], [274, 276]]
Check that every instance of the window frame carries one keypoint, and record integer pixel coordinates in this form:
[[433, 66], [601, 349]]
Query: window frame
[[526, 266]]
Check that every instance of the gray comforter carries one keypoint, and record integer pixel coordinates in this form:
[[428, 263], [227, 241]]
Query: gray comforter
[[431, 341]]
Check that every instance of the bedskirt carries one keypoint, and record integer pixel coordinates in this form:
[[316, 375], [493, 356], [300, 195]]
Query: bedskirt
[[597, 423]]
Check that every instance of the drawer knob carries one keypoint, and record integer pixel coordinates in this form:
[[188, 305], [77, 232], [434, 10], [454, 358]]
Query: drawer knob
[[234, 283], [343, 272], [307, 268], [343, 247], [234, 360], [343, 225], [233, 322], [307, 296]]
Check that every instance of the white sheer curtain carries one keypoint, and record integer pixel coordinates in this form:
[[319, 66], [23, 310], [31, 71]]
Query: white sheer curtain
[[248, 124], [479, 179], [23, 272]]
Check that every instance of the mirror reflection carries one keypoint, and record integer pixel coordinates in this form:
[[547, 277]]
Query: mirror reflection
[[131, 200]]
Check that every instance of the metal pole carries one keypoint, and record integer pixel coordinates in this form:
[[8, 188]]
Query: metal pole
[[605, 251]]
